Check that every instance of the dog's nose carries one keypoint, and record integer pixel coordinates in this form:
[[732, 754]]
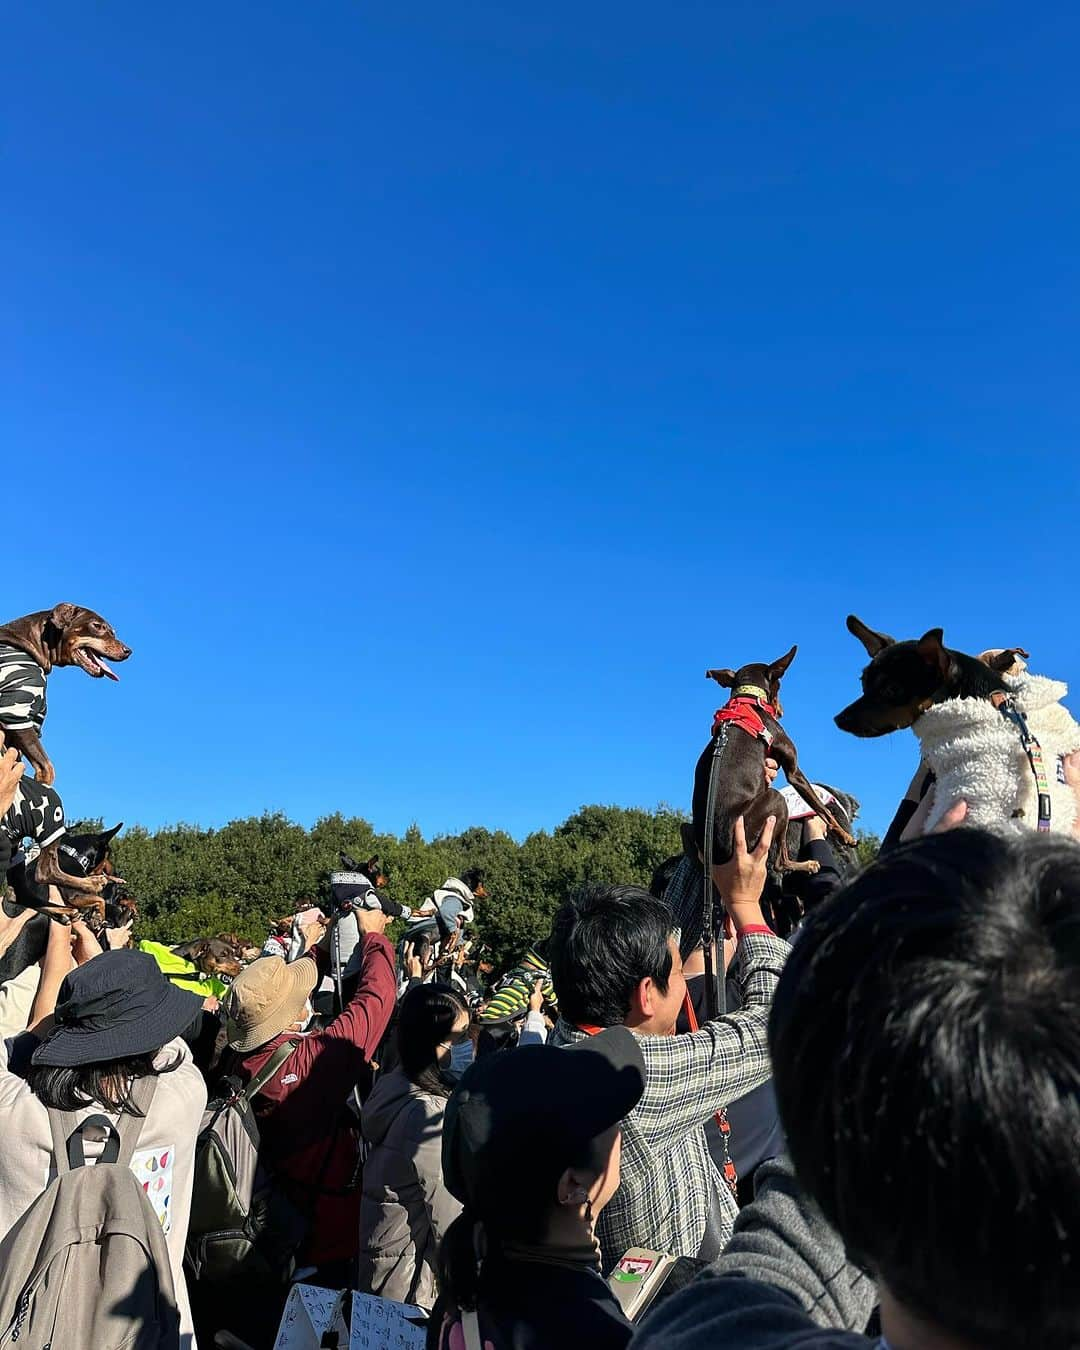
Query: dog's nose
[[843, 719], [126, 651]]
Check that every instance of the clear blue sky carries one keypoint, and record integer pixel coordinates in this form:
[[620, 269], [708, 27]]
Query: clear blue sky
[[430, 393]]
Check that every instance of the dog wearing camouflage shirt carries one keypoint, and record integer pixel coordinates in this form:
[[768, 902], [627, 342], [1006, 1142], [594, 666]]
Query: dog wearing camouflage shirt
[[30, 648]]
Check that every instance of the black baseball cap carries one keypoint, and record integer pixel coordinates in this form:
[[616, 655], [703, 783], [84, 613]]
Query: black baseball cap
[[519, 1118], [116, 1005]]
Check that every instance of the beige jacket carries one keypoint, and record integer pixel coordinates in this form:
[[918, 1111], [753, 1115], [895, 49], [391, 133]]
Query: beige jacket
[[163, 1161]]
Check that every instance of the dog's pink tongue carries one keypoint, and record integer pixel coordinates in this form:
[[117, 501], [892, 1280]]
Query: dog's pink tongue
[[106, 669]]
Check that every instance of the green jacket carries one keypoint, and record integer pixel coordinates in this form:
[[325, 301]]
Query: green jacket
[[172, 965]]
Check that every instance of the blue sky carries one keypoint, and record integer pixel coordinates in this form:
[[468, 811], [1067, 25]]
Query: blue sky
[[429, 393]]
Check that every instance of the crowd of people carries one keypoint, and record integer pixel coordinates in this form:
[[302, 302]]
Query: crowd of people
[[875, 1141]]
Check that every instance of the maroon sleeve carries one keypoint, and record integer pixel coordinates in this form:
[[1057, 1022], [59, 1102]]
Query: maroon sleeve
[[367, 1014]]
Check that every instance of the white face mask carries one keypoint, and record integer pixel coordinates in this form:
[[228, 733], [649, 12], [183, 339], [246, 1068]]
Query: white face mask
[[461, 1056]]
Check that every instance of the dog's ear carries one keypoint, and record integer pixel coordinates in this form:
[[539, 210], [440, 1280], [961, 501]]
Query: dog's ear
[[873, 642], [777, 669], [1004, 661], [932, 650], [724, 677], [63, 615], [107, 836]]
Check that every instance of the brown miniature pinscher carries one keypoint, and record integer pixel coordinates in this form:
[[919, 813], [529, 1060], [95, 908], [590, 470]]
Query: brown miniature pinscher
[[30, 647], [745, 732], [67, 635]]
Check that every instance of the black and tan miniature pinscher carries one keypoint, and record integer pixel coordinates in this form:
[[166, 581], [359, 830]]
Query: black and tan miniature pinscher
[[80, 855], [30, 648], [903, 679], [220, 957], [372, 869], [745, 732]]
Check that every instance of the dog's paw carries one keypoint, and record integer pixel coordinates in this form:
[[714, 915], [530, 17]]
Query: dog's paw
[[847, 839], [812, 868], [95, 885], [45, 774]]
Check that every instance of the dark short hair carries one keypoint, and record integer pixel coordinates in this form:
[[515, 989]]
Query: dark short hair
[[604, 941], [925, 1039], [472, 878]]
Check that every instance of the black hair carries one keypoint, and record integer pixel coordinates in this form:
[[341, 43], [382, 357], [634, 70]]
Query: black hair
[[661, 877], [106, 1083], [524, 1218], [472, 878], [604, 941], [925, 1040], [425, 1019]]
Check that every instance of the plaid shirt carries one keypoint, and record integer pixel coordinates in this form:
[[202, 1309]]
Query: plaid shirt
[[669, 1182]]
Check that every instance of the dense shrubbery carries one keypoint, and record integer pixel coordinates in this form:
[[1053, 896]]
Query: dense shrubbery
[[191, 881]]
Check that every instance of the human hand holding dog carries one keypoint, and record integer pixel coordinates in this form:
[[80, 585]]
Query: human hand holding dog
[[1071, 766], [119, 937], [313, 925], [372, 920], [84, 945], [741, 879], [11, 770]]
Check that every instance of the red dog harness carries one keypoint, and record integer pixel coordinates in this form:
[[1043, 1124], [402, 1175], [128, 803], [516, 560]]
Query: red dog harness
[[745, 711]]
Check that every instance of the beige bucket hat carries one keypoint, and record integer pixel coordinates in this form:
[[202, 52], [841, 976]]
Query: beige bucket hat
[[265, 998]]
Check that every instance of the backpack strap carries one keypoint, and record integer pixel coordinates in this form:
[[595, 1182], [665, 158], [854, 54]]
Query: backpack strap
[[130, 1127], [69, 1132], [470, 1327], [268, 1070]]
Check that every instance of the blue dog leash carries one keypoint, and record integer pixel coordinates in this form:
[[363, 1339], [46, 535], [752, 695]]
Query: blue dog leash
[[1034, 753]]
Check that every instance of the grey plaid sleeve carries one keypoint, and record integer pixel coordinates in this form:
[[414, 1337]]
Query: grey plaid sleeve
[[689, 1078]]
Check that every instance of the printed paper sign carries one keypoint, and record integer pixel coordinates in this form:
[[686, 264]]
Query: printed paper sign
[[153, 1168], [797, 808], [309, 1314], [382, 1324]]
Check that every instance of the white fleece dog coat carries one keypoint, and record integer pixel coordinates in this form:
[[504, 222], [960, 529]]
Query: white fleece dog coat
[[976, 753]]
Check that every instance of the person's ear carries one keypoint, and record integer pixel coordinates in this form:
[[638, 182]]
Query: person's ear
[[642, 999], [572, 1189]]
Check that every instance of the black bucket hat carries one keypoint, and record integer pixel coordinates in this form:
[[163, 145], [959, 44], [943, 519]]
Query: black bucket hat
[[117, 1005], [539, 1103]]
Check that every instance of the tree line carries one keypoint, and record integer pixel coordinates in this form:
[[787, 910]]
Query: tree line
[[189, 881]]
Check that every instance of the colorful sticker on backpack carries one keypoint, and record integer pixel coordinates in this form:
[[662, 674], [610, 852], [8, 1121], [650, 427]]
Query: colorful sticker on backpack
[[153, 1168]]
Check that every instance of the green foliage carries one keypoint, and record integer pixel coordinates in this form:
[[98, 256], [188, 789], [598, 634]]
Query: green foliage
[[190, 881], [866, 846]]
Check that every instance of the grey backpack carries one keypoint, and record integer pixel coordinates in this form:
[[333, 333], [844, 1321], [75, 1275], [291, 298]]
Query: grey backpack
[[242, 1223], [87, 1264]]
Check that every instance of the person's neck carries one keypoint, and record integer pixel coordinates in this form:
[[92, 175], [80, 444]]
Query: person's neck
[[645, 1026], [903, 1330], [565, 1241]]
